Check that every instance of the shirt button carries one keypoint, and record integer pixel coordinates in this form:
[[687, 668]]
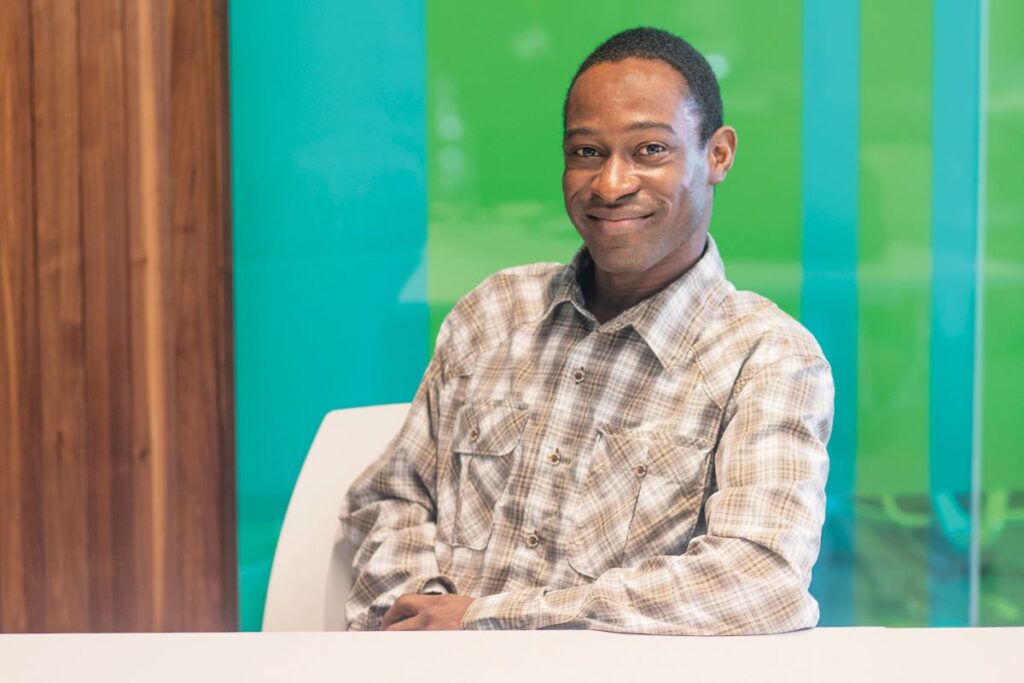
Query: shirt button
[[532, 540], [554, 457], [474, 434], [640, 470], [577, 375]]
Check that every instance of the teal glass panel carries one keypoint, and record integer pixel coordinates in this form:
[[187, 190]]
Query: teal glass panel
[[831, 69], [954, 228], [328, 147]]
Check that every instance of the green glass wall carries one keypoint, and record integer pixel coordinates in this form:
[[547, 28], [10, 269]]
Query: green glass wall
[[388, 158], [894, 275], [1000, 531], [494, 133]]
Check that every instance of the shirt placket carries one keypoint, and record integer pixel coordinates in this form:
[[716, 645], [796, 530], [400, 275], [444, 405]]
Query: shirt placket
[[560, 456]]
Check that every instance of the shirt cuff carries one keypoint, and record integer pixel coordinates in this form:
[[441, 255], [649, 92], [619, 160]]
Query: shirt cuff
[[377, 610], [437, 586], [532, 608]]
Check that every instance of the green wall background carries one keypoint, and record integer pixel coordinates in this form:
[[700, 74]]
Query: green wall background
[[388, 158], [1000, 531]]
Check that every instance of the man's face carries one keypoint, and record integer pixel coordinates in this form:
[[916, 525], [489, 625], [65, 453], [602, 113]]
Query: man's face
[[636, 180]]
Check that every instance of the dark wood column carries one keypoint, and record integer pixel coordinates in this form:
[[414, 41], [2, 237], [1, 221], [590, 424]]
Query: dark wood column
[[117, 501]]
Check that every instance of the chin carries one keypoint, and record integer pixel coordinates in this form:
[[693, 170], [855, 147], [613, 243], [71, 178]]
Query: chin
[[621, 261]]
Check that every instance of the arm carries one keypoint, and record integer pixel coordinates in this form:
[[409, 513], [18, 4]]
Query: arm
[[750, 572], [389, 514]]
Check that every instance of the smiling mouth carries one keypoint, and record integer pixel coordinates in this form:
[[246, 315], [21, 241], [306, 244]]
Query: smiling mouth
[[619, 222]]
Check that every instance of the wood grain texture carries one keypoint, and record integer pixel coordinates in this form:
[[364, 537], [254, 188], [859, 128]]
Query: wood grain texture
[[202, 372], [61, 462], [116, 391], [108, 344], [20, 429]]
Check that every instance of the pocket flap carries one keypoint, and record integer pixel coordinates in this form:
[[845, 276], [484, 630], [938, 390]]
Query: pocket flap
[[483, 429], [660, 454]]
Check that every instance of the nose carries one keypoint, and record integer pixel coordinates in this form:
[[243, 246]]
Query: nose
[[615, 180]]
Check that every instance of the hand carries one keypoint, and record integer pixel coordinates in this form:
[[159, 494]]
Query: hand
[[413, 612]]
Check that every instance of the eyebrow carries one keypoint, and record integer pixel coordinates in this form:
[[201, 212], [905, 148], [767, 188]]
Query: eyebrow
[[638, 125]]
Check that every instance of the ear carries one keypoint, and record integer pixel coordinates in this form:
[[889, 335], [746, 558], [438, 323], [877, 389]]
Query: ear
[[721, 150]]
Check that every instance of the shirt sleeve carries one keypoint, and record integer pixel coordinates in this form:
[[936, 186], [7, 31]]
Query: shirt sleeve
[[388, 516], [750, 572]]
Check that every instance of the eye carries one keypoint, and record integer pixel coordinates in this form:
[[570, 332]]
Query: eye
[[588, 152], [653, 149]]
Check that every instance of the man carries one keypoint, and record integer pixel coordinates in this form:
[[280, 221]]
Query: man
[[626, 443]]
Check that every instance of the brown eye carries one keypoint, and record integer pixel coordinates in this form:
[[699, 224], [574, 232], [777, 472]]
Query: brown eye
[[588, 152], [653, 149]]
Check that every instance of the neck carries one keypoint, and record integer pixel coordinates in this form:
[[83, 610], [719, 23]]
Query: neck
[[609, 294]]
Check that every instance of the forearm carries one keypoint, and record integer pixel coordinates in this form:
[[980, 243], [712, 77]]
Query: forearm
[[392, 562], [388, 517], [720, 586]]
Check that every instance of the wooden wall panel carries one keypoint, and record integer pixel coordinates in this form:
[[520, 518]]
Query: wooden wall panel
[[20, 423], [62, 460], [116, 389], [107, 343], [146, 118], [202, 374]]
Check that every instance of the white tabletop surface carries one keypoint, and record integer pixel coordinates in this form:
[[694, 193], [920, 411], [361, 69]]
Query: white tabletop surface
[[823, 654]]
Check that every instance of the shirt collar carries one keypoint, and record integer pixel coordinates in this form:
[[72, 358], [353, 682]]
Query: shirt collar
[[566, 285], [668, 321]]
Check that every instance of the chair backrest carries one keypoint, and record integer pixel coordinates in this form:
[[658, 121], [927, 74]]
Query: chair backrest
[[311, 575]]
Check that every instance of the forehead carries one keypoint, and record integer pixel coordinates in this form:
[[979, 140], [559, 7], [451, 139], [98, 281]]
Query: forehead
[[618, 93]]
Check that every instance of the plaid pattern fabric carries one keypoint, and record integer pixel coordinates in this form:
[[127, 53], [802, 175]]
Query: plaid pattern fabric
[[661, 473]]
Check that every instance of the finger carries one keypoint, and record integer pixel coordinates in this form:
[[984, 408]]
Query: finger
[[416, 623], [403, 608]]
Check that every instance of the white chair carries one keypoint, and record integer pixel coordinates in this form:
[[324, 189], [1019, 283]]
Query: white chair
[[311, 575]]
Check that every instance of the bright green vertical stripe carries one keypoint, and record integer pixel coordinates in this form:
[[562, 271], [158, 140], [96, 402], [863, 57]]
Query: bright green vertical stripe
[[494, 132], [758, 208], [894, 280], [829, 179], [1002, 525], [494, 101]]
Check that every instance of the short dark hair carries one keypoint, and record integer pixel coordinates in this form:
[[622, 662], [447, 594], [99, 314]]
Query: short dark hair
[[653, 43]]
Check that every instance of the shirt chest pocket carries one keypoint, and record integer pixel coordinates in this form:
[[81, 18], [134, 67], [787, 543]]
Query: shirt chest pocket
[[485, 441], [641, 497]]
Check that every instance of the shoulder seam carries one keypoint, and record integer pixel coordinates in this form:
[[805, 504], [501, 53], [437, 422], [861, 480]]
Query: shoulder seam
[[740, 384]]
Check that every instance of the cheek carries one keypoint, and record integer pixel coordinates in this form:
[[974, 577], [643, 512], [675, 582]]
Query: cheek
[[668, 183], [672, 194], [573, 189], [683, 200], [567, 194]]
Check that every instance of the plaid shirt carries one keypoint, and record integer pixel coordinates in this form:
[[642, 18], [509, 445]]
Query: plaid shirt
[[663, 472]]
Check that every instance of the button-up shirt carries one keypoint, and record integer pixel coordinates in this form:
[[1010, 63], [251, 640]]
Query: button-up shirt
[[661, 472]]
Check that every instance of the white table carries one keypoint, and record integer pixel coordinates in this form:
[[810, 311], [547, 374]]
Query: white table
[[865, 655]]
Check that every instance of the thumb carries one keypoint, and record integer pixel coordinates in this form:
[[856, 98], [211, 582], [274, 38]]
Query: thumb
[[403, 608], [414, 623]]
